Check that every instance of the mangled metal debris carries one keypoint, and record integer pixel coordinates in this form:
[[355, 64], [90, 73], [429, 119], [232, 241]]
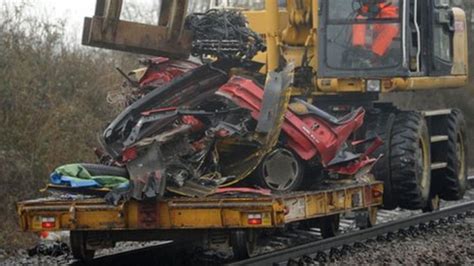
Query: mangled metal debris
[[201, 144], [223, 34], [198, 130]]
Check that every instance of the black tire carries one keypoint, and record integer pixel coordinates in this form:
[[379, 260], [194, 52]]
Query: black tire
[[100, 169], [380, 124], [410, 160], [79, 249], [279, 164], [453, 183], [244, 243], [329, 225]]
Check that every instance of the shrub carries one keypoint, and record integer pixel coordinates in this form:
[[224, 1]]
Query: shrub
[[52, 106]]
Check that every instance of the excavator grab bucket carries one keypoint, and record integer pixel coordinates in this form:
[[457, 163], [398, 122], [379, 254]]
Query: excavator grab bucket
[[169, 38]]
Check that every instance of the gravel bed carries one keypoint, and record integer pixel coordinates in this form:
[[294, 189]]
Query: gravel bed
[[126, 246], [451, 244], [21, 256]]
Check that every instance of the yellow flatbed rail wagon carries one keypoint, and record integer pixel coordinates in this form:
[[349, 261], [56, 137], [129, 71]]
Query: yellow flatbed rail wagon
[[193, 213], [141, 221]]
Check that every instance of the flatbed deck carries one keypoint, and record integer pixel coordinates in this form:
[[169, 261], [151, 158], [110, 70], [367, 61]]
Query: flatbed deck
[[218, 212]]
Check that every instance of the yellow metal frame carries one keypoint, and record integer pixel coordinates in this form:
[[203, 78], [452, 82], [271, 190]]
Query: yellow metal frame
[[347, 85], [188, 213], [292, 32]]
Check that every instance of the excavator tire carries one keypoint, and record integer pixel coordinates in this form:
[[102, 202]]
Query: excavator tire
[[410, 160], [453, 183], [380, 124]]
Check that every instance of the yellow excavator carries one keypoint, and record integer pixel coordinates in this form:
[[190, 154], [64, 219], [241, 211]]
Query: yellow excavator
[[346, 53]]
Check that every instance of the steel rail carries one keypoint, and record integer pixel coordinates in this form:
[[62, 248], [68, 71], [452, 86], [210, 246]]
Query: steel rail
[[282, 257]]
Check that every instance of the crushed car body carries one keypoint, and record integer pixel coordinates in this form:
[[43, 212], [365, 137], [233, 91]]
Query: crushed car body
[[193, 129]]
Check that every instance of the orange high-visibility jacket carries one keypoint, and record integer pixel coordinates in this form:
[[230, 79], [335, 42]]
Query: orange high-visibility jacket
[[383, 33]]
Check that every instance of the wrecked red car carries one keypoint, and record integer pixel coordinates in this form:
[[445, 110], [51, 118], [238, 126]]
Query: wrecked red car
[[202, 128]]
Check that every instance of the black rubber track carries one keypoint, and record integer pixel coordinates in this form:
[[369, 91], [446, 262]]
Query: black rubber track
[[451, 187], [380, 124], [100, 169], [406, 170]]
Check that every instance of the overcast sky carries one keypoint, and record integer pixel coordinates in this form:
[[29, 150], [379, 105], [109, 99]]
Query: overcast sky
[[73, 11]]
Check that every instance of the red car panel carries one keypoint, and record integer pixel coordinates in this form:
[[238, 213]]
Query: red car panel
[[308, 135]]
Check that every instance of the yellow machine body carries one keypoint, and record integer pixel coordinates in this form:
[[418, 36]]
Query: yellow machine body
[[296, 31], [292, 33]]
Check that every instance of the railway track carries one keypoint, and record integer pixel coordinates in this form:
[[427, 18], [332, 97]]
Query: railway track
[[311, 251], [389, 223], [299, 246]]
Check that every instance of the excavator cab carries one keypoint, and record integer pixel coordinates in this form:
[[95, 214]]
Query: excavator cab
[[363, 35], [391, 38]]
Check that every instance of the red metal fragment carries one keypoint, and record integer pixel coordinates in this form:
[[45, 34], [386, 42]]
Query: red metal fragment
[[261, 191], [162, 70], [129, 154], [308, 135], [196, 124]]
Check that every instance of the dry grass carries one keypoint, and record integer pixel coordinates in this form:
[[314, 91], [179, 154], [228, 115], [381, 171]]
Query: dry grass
[[52, 106]]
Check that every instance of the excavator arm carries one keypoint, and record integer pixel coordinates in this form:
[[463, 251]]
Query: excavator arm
[[168, 38]]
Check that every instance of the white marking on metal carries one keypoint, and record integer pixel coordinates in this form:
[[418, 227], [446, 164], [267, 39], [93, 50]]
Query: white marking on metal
[[436, 112], [439, 138], [436, 166]]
